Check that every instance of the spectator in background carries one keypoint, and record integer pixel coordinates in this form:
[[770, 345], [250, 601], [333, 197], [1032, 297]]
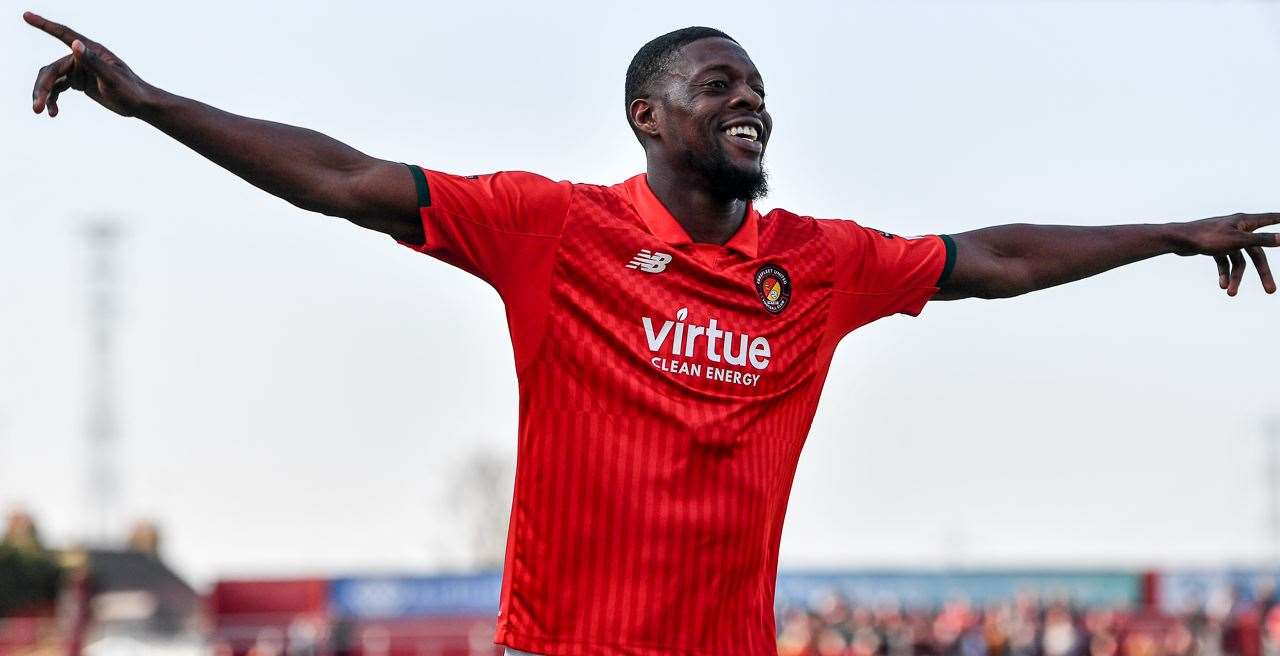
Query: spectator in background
[[1024, 626], [1060, 635]]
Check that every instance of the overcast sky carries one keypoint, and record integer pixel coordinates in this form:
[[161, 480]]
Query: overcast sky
[[294, 391]]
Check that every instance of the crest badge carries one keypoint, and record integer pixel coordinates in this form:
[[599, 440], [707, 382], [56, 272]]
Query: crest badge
[[773, 286]]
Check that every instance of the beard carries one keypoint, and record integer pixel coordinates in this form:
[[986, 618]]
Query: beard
[[726, 181]]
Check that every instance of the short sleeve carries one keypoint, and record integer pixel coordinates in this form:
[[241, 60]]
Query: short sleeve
[[490, 225], [877, 273], [505, 228]]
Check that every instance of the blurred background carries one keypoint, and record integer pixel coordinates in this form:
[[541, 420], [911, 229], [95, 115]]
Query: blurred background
[[228, 426]]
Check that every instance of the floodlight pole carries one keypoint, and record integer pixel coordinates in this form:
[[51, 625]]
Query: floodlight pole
[[1271, 435], [101, 417]]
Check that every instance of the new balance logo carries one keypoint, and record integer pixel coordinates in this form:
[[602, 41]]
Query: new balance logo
[[649, 262]]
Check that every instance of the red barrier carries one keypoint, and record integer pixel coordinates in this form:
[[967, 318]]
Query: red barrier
[[267, 618]]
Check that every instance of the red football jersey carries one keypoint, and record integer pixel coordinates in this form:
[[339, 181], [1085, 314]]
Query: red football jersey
[[666, 388]]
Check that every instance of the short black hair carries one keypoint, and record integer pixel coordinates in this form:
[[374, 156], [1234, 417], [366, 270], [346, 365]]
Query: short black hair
[[654, 59]]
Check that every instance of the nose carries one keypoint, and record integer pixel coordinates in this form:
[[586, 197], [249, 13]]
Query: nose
[[745, 97]]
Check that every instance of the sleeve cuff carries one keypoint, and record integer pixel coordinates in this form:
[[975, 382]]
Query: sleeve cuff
[[950, 264], [420, 182]]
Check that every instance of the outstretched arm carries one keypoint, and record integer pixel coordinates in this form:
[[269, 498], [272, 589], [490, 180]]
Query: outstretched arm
[[1015, 259], [304, 167]]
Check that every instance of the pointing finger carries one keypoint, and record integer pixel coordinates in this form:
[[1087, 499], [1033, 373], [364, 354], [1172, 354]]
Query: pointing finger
[[1237, 272], [1254, 221], [56, 30], [1264, 269], [1224, 270]]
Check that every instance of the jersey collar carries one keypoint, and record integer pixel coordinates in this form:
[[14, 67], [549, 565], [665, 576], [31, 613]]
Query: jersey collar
[[668, 229]]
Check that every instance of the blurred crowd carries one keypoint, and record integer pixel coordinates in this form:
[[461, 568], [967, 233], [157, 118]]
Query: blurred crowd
[[832, 626]]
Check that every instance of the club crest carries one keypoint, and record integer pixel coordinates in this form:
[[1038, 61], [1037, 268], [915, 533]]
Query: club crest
[[773, 286]]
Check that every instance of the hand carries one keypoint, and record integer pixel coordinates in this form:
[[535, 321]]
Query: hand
[[1227, 238], [90, 68]]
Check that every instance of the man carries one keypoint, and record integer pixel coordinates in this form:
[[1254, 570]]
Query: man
[[671, 342]]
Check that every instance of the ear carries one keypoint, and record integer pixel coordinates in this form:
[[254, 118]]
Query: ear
[[644, 116]]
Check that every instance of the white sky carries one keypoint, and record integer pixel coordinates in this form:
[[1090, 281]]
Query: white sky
[[294, 390]]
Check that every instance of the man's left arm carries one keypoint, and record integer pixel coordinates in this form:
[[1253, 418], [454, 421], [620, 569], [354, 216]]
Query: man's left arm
[[1009, 260]]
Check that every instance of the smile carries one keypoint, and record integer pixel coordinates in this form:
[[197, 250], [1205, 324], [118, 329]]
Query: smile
[[747, 132], [746, 137]]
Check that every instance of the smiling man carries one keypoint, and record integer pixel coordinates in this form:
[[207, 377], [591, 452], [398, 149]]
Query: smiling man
[[671, 342]]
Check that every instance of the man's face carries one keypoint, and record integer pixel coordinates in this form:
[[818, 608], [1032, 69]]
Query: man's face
[[714, 120]]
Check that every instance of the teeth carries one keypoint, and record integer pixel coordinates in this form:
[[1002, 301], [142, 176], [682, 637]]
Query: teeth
[[743, 131]]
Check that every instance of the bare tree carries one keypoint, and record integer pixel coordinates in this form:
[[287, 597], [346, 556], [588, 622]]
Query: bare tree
[[480, 496]]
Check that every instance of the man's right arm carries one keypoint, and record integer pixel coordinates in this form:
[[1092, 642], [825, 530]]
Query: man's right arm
[[304, 167]]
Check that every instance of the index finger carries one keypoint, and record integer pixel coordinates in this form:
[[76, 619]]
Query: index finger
[[1254, 221], [56, 30]]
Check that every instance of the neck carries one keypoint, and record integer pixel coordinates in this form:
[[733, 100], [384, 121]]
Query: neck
[[706, 218]]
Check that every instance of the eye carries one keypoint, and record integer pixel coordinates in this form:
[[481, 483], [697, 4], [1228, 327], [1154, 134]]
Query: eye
[[718, 84], [759, 90]]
